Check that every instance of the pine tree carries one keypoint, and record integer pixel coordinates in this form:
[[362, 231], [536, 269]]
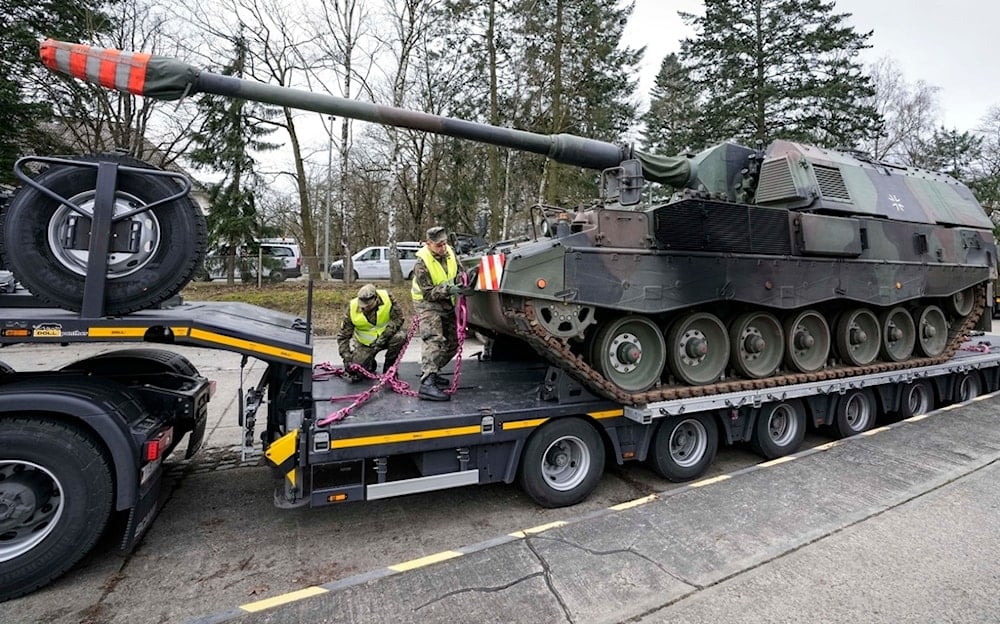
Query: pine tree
[[581, 80], [232, 129], [780, 69], [951, 152], [673, 111]]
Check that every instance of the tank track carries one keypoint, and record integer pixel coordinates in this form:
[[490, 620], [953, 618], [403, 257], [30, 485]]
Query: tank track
[[558, 353]]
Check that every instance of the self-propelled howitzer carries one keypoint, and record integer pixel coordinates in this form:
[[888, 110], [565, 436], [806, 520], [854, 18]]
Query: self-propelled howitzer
[[791, 263]]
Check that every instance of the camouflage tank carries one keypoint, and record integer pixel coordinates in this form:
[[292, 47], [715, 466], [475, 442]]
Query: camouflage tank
[[790, 264]]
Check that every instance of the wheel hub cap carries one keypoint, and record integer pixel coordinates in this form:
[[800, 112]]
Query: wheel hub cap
[[858, 336], [18, 502], [696, 347], [754, 344], [804, 340], [629, 353]]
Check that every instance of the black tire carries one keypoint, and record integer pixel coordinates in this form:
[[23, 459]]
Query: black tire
[[169, 254], [855, 413], [69, 476], [134, 362], [779, 429], [683, 447], [915, 398], [276, 276], [967, 387], [562, 462]]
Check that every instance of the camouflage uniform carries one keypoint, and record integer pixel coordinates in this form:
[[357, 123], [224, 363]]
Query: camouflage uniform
[[438, 328], [391, 340]]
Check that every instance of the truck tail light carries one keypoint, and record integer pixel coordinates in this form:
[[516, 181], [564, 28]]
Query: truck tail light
[[154, 448]]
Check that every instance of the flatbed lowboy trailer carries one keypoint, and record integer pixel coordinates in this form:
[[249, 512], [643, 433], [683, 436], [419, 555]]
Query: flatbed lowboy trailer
[[84, 443]]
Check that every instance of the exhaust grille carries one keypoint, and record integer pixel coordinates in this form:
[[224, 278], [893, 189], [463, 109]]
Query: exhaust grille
[[776, 182], [831, 183], [702, 225]]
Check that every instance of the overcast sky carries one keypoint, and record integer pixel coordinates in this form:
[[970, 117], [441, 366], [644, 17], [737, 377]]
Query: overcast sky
[[950, 44]]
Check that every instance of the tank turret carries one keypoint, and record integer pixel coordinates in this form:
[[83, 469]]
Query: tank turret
[[766, 266]]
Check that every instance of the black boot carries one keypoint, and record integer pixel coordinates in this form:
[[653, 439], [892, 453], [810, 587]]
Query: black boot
[[439, 381], [430, 391]]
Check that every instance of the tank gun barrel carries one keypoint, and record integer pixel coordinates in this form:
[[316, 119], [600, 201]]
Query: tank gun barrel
[[170, 79]]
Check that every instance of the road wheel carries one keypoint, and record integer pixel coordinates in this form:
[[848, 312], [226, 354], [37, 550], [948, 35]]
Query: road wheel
[[916, 398], [698, 348], [899, 334], [55, 500], [961, 303], [932, 331], [855, 414], [807, 341], [758, 344], [44, 242], [683, 447], [276, 275], [857, 338], [629, 352], [562, 462], [779, 429]]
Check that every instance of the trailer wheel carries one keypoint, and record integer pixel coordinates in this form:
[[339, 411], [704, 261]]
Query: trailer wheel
[[967, 387], [915, 398], [683, 447], [779, 429], [562, 462], [855, 414], [44, 241], [55, 500]]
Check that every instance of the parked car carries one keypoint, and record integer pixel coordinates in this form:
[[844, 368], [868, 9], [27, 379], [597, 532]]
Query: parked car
[[280, 259], [373, 262]]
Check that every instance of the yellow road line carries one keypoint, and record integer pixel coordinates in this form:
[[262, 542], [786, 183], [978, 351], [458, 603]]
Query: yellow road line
[[268, 603], [413, 564]]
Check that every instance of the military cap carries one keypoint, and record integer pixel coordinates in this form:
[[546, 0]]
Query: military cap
[[437, 234], [367, 293]]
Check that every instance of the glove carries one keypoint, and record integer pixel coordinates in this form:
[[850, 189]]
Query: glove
[[379, 344], [455, 289]]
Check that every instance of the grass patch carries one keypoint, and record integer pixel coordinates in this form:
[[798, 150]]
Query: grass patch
[[330, 298]]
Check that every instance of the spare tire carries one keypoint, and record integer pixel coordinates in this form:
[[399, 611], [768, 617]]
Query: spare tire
[[154, 253]]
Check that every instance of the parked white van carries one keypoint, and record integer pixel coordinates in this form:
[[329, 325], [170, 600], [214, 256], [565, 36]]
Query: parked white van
[[373, 262]]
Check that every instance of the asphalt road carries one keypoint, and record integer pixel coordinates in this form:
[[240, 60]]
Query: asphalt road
[[219, 541]]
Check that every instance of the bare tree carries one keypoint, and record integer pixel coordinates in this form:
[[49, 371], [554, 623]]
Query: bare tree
[[910, 112], [280, 51], [347, 22], [93, 119]]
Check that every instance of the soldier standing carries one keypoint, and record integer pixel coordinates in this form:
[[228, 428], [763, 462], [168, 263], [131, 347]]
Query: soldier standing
[[373, 323], [434, 290]]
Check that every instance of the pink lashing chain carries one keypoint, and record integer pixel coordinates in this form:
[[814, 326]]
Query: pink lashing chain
[[325, 370]]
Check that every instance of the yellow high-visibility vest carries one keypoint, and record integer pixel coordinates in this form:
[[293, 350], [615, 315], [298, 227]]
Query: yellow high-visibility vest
[[364, 332], [438, 273]]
